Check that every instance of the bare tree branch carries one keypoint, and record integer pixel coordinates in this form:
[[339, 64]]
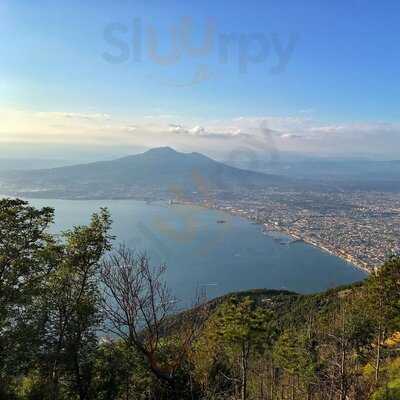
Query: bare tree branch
[[139, 309]]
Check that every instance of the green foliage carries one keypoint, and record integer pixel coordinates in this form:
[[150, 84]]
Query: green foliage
[[260, 344], [391, 389], [241, 323], [71, 305], [24, 266], [32, 387], [118, 373], [383, 287], [295, 353], [49, 308]]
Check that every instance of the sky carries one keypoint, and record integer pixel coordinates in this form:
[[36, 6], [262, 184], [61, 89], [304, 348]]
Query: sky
[[99, 79]]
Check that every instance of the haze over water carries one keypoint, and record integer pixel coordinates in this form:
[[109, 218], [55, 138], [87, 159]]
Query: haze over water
[[201, 253]]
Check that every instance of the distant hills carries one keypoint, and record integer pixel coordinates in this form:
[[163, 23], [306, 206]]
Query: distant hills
[[160, 170], [350, 174]]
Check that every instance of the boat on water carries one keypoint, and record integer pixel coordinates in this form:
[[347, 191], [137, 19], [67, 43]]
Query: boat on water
[[221, 221]]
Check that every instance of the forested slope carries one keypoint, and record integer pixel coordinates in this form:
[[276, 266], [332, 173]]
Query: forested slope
[[80, 322]]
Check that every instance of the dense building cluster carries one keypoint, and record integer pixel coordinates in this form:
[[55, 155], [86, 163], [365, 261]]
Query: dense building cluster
[[361, 227]]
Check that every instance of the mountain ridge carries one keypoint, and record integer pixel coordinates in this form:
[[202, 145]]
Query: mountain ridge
[[161, 169]]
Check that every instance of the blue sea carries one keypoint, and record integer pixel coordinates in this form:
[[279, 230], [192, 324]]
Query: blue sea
[[201, 254]]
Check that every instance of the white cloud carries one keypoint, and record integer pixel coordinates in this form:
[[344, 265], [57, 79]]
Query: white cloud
[[267, 133], [291, 136], [177, 128], [197, 130]]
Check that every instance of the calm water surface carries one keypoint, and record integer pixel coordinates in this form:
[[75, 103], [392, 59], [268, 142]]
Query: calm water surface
[[199, 252]]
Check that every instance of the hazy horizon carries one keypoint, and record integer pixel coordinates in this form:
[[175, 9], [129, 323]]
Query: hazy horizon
[[58, 157]]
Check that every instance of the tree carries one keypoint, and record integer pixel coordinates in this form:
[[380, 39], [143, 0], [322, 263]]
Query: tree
[[390, 389], [242, 328], [71, 306], [138, 307], [296, 353], [346, 332], [24, 266], [383, 291], [119, 373]]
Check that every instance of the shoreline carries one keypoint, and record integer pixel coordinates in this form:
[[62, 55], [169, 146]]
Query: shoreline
[[349, 259], [269, 228], [342, 255]]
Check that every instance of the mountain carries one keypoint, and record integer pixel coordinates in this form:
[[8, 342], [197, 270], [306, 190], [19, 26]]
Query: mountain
[[160, 170], [350, 174]]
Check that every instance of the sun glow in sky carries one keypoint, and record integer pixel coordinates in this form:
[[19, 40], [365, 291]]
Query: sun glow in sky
[[315, 77]]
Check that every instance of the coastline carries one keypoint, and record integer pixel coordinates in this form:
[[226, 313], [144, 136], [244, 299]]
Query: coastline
[[269, 228], [340, 254]]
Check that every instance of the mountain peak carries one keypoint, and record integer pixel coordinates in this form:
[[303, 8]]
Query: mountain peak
[[154, 171], [162, 150]]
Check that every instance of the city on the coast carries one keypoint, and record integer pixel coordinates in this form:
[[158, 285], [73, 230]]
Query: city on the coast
[[361, 227]]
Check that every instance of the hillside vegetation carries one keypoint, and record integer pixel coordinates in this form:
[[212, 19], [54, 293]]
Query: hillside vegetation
[[81, 320]]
